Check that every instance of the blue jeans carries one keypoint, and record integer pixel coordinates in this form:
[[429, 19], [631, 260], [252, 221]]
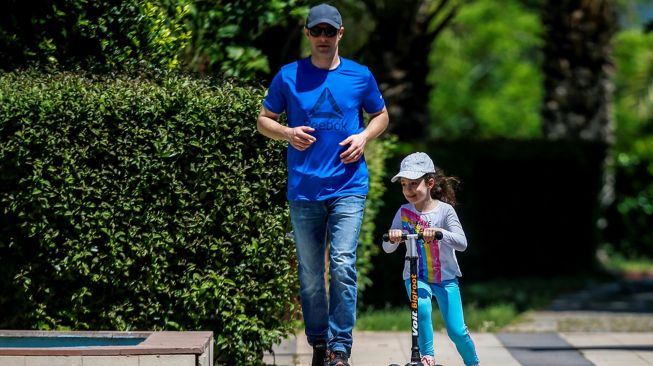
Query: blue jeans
[[447, 294], [314, 222]]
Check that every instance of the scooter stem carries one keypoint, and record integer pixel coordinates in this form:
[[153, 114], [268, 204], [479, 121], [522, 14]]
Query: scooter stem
[[411, 257], [411, 242]]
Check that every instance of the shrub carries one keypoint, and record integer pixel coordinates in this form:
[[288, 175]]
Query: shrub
[[628, 217], [376, 154], [100, 35], [128, 203]]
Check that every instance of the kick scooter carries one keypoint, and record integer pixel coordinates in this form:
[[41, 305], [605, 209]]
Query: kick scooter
[[411, 256]]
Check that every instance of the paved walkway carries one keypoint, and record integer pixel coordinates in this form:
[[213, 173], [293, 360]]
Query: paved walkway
[[501, 349], [606, 325]]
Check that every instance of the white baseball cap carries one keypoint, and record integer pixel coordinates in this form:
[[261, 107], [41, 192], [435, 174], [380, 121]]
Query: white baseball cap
[[414, 166]]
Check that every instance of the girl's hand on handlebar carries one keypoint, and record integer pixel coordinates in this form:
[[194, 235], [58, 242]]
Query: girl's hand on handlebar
[[429, 234], [395, 236]]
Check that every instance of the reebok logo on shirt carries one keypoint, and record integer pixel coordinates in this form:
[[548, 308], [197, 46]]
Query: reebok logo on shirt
[[326, 107]]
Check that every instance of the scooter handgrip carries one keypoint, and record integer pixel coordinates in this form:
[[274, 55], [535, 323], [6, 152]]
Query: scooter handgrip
[[438, 235]]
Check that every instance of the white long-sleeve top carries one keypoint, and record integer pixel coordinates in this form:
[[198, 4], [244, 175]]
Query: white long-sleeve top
[[436, 260]]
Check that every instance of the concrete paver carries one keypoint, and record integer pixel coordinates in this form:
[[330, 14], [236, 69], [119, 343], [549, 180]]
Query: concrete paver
[[614, 349], [384, 348], [491, 351], [542, 349], [607, 325]]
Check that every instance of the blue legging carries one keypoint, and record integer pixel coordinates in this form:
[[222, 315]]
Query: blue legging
[[447, 294]]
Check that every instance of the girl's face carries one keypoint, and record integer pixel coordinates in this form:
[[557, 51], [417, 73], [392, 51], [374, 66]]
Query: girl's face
[[417, 191]]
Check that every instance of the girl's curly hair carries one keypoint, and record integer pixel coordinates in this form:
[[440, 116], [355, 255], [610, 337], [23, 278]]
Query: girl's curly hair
[[444, 188]]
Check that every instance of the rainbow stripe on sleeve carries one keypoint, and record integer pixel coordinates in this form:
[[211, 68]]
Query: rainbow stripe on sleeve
[[429, 267]]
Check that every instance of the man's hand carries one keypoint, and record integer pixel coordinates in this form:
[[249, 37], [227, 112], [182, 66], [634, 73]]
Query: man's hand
[[356, 148], [299, 137]]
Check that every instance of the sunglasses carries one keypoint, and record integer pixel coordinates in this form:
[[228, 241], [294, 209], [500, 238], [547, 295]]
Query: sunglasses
[[318, 31]]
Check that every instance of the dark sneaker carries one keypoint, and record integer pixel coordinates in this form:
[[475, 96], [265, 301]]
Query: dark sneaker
[[319, 354], [338, 358]]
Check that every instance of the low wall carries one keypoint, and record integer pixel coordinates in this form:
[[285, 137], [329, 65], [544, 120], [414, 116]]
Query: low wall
[[157, 348]]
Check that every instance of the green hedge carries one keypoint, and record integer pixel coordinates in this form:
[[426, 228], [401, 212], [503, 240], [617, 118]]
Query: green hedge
[[128, 203], [376, 154], [143, 204]]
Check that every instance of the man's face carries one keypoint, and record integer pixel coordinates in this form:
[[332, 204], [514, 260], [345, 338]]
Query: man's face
[[324, 39]]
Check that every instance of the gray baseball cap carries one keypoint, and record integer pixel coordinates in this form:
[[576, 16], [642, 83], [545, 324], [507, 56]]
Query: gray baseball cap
[[414, 166], [324, 13]]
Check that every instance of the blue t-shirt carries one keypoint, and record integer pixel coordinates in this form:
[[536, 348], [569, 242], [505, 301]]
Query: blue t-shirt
[[330, 101]]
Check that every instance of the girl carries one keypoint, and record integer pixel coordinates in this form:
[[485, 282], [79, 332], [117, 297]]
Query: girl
[[430, 195]]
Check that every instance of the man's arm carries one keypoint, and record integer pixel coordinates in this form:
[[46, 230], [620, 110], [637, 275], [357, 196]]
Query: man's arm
[[267, 124], [378, 123]]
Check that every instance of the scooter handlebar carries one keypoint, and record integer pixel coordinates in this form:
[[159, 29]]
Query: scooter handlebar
[[438, 235]]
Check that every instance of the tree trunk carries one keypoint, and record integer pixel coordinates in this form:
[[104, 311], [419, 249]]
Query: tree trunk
[[397, 52], [577, 68]]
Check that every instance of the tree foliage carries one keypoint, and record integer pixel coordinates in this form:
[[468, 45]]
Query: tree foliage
[[628, 230], [484, 73], [93, 35], [634, 93], [228, 36]]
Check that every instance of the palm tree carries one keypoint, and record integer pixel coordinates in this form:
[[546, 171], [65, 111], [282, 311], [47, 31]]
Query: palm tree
[[577, 69]]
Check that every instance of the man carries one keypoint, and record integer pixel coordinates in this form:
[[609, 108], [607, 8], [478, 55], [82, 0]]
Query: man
[[323, 97]]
